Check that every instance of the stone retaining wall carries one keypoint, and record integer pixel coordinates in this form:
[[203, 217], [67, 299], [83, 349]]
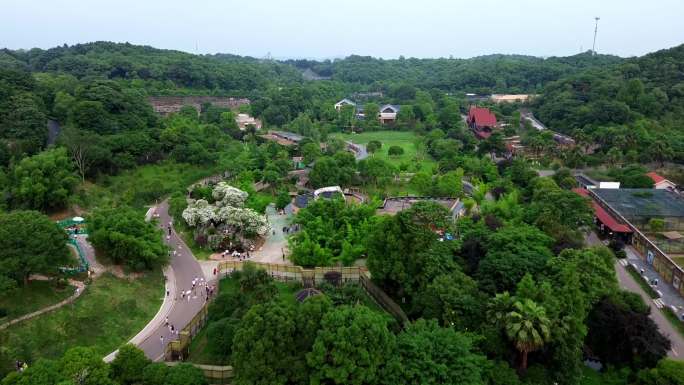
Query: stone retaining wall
[[165, 105]]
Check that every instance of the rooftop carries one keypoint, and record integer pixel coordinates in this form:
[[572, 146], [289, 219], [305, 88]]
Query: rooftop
[[394, 108], [606, 218], [346, 101], [655, 177], [643, 202], [288, 135], [482, 116]]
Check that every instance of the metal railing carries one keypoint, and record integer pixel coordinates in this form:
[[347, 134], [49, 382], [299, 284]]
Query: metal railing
[[83, 261]]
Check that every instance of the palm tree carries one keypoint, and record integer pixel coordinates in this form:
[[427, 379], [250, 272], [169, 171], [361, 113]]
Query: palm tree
[[528, 327], [499, 307]]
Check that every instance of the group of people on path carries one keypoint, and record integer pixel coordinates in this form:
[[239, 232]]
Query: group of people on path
[[199, 287], [240, 255]]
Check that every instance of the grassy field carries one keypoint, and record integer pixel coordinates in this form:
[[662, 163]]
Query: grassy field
[[141, 186], [678, 259], [391, 190], [35, 296], [403, 139], [108, 314]]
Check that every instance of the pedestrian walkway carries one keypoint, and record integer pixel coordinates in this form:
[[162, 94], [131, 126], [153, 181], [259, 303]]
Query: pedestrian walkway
[[183, 269], [627, 282], [275, 246], [96, 267], [80, 288], [669, 295]]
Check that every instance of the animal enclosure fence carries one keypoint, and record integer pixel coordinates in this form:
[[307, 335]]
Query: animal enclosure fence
[[179, 349]]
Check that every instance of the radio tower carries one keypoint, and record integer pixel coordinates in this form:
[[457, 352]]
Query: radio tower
[[593, 47]]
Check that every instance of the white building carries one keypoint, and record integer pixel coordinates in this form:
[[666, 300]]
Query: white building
[[342, 103], [244, 120], [388, 113]]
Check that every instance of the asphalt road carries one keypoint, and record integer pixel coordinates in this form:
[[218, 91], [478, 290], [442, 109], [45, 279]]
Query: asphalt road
[[627, 283], [185, 268], [362, 153]]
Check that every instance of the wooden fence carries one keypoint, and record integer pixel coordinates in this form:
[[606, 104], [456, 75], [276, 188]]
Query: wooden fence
[[179, 349], [213, 373], [382, 299]]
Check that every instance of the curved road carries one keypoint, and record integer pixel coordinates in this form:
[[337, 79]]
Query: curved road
[[185, 269], [180, 273], [628, 283]]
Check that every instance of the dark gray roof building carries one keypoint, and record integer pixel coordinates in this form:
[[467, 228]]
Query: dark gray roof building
[[639, 205]]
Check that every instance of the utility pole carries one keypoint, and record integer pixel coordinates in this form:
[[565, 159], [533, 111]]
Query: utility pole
[[593, 47]]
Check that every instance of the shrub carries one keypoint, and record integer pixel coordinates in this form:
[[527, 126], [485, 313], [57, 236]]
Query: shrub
[[395, 151]]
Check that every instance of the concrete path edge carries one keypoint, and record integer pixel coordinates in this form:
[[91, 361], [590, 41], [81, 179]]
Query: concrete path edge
[[158, 319]]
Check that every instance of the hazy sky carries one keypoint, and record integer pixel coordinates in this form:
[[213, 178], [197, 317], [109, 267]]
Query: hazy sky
[[328, 29]]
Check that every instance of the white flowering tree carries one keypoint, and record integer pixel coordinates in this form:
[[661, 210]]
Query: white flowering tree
[[226, 195], [199, 213], [225, 219]]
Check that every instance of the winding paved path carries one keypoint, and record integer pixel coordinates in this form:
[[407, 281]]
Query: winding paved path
[[180, 273], [185, 268], [275, 247]]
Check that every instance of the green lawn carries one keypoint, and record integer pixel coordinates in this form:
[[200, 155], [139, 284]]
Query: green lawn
[[35, 296], [403, 139], [141, 186], [185, 232], [678, 260], [391, 190], [108, 314]]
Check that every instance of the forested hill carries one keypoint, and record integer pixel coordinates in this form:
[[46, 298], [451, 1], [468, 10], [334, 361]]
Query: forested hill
[[160, 71], [635, 107], [484, 74], [166, 71]]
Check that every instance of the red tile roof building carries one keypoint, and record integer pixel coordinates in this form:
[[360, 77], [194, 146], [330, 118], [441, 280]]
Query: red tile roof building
[[482, 121], [480, 117], [660, 182], [604, 216], [656, 178]]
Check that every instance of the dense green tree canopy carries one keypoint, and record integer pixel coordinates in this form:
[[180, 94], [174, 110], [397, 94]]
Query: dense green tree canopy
[[30, 243], [351, 347], [333, 231], [513, 251], [264, 347], [619, 335], [43, 181], [123, 236], [404, 252], [127, 368], [429, 354]]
